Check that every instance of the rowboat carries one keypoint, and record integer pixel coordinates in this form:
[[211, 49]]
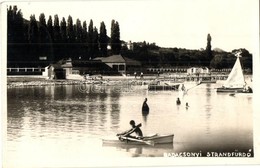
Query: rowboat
[[152, 140]]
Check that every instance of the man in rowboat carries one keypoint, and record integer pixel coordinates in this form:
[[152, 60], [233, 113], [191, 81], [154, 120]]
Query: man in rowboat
[[135, 129]]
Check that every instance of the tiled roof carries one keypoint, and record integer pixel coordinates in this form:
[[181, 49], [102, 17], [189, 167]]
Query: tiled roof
[[118, 59]]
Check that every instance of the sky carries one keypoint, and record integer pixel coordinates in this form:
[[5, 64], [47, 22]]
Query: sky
[[232, 24]]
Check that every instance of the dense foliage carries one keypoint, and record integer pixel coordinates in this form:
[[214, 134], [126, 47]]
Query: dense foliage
[[39, 43]]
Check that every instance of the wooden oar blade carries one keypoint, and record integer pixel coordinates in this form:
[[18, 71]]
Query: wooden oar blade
[[149, 143]]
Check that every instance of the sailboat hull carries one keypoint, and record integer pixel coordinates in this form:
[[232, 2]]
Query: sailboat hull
[[228, 90]]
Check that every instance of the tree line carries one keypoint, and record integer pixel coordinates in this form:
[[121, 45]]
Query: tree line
[[39, 43], [50, 40], [152, 55]]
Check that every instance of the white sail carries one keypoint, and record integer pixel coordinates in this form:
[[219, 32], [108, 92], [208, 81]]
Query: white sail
[[236, 77]]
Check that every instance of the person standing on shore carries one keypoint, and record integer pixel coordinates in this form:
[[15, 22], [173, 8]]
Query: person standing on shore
[[135, 75]]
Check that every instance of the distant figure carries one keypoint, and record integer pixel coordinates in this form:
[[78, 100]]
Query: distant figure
[[141, 75], [135, 129], [135, 74], [183, 87], [158, 73], [249, 89], [178, 102], [145, 107], [187, 105]]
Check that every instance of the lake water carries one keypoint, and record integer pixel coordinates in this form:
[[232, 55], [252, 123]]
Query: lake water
[[64, 125]]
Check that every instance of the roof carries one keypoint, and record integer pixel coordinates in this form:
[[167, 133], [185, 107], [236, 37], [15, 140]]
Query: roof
[[111, 59], [118, 59]]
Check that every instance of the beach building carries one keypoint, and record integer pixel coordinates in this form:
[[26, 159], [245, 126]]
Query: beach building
[[197, 70], [120, 64], [78, 69]]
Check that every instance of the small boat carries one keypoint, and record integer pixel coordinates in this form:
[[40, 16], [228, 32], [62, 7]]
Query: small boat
[[148, 140], [162, 87], [208, 81], [235, 81]]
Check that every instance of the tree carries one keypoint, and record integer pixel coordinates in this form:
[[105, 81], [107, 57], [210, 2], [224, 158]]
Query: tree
[[103, 40], [33, 36], [16, 35], [43, 36], [70, 37], [84, 41], [50, 29], [33, 33], [90, 39], [208, 49], [95, 42], [78, 32], [56, 29], [78, 39], [63, 31], [115, 37], [63, 39], [70, 31], [56, 38], [50, 39]]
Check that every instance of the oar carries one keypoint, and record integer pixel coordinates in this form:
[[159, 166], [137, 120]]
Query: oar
[[149, 142]]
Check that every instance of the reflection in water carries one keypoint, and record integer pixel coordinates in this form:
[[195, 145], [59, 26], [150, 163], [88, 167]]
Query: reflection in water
[[143, 150], [208, 107], [59, 116], [145, 116]]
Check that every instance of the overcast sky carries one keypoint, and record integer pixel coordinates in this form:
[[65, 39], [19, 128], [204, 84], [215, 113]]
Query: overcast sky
[[169, 23]]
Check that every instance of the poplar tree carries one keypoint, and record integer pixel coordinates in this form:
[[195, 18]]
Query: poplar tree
[[56, 38], [115, 38], [50, 29], [78, 40], [43, 36], [208, 49], [103, 40], [63, 31], [50, 39], [70, 31], [33, 36], [84, 41], [64, 40], [95, 42], [56, 29], [90, 39]]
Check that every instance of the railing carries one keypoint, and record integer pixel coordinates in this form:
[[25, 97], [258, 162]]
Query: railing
[[27, 69]]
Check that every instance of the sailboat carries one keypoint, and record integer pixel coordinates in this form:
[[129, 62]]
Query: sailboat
[[235, 81]]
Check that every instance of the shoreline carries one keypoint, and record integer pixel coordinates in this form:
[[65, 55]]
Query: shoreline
[[30, 81], [37, 80]]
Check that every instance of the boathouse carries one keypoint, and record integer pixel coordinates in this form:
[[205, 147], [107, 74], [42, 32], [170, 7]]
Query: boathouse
[[120, 64]]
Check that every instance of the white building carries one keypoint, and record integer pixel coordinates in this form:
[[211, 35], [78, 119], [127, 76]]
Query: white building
[[197, 70]]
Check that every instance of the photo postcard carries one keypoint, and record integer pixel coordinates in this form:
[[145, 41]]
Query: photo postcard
[[130, 83]]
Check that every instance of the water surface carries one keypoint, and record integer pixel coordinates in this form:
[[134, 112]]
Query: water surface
[[64, 125]]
